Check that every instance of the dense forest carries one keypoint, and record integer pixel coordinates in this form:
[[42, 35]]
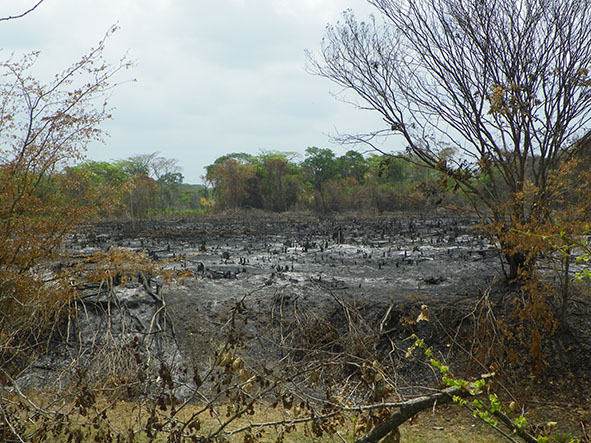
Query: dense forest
[[324, 182], [148, 185]]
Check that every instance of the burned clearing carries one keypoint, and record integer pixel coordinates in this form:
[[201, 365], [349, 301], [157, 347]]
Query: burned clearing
[[299, 280], [303, 283], [384, 267], [378, 259], [313, 308]]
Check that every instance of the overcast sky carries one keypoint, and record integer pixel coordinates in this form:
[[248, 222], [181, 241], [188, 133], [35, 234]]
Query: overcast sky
[[213, 77]]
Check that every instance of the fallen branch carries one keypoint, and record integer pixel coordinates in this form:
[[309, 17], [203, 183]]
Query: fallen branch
[[520, 431], [411, 407], [408, 409]]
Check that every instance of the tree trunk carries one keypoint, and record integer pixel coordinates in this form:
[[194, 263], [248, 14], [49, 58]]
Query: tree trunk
[[517, 264]]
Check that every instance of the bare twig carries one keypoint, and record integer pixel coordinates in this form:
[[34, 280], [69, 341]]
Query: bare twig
[[294, 421], [13, 17]]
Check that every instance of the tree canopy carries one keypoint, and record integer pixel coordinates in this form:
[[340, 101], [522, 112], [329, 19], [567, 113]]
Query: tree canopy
[[323, 182]]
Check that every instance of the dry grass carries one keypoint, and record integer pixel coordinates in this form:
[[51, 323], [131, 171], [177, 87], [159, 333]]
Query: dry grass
[[129, 419]]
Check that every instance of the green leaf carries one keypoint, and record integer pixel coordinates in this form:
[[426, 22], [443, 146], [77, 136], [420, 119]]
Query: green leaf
[[459, 400], [520, 422], [479, 384], [495, 403]]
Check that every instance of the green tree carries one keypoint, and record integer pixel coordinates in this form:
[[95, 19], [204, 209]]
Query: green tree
[[100, 179], [390, 169], [103, 172], [280, 181], [318, 168], [164, 172], [352, 165]]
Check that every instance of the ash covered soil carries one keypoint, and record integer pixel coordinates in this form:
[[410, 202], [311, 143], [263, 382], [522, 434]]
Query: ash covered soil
[[437, 259], [311, 263], [307, 263], [295, 291], [284, 267]]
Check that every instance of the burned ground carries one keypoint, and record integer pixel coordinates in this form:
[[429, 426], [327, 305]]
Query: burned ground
[[309, 273], [297, 289]]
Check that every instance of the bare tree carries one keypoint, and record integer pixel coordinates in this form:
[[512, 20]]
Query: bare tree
[[505, 83], [151, 165]]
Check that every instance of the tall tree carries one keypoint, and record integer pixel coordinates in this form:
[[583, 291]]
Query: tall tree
[[319, 167], [352, 165], [280, 181], [236, 181], [505, 83]]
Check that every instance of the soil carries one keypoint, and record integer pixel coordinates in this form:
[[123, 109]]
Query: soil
[[307, 263], [405, 259], [389, 268]]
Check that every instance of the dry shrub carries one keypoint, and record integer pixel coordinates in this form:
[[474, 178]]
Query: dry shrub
[[43, 129]]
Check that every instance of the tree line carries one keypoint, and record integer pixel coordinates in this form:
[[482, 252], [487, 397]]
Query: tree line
[[325, 182], [138, 186]]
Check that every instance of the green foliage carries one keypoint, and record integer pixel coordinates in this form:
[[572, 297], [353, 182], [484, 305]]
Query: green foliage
[[520, 422], [352, 165], [319, 167], [324, 182], [490, 412], [142, 185], [103, 172]]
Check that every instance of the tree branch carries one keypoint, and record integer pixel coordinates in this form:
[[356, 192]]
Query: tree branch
[[13, 17], [520, 431], [409, 409]]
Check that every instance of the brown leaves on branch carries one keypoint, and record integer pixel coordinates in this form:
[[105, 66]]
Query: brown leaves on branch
[[44, 127]]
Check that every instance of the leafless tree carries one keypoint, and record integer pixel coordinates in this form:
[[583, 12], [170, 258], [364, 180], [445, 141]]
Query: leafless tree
[[506, 84], [152, 165]]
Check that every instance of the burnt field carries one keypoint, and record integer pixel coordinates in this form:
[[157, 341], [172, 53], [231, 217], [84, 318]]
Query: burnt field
[[403, 260], [310, 305], [297, 276], [396, 258], [301, 283]]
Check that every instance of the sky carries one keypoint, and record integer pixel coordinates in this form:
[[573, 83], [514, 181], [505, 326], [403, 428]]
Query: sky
[[212, 77]]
